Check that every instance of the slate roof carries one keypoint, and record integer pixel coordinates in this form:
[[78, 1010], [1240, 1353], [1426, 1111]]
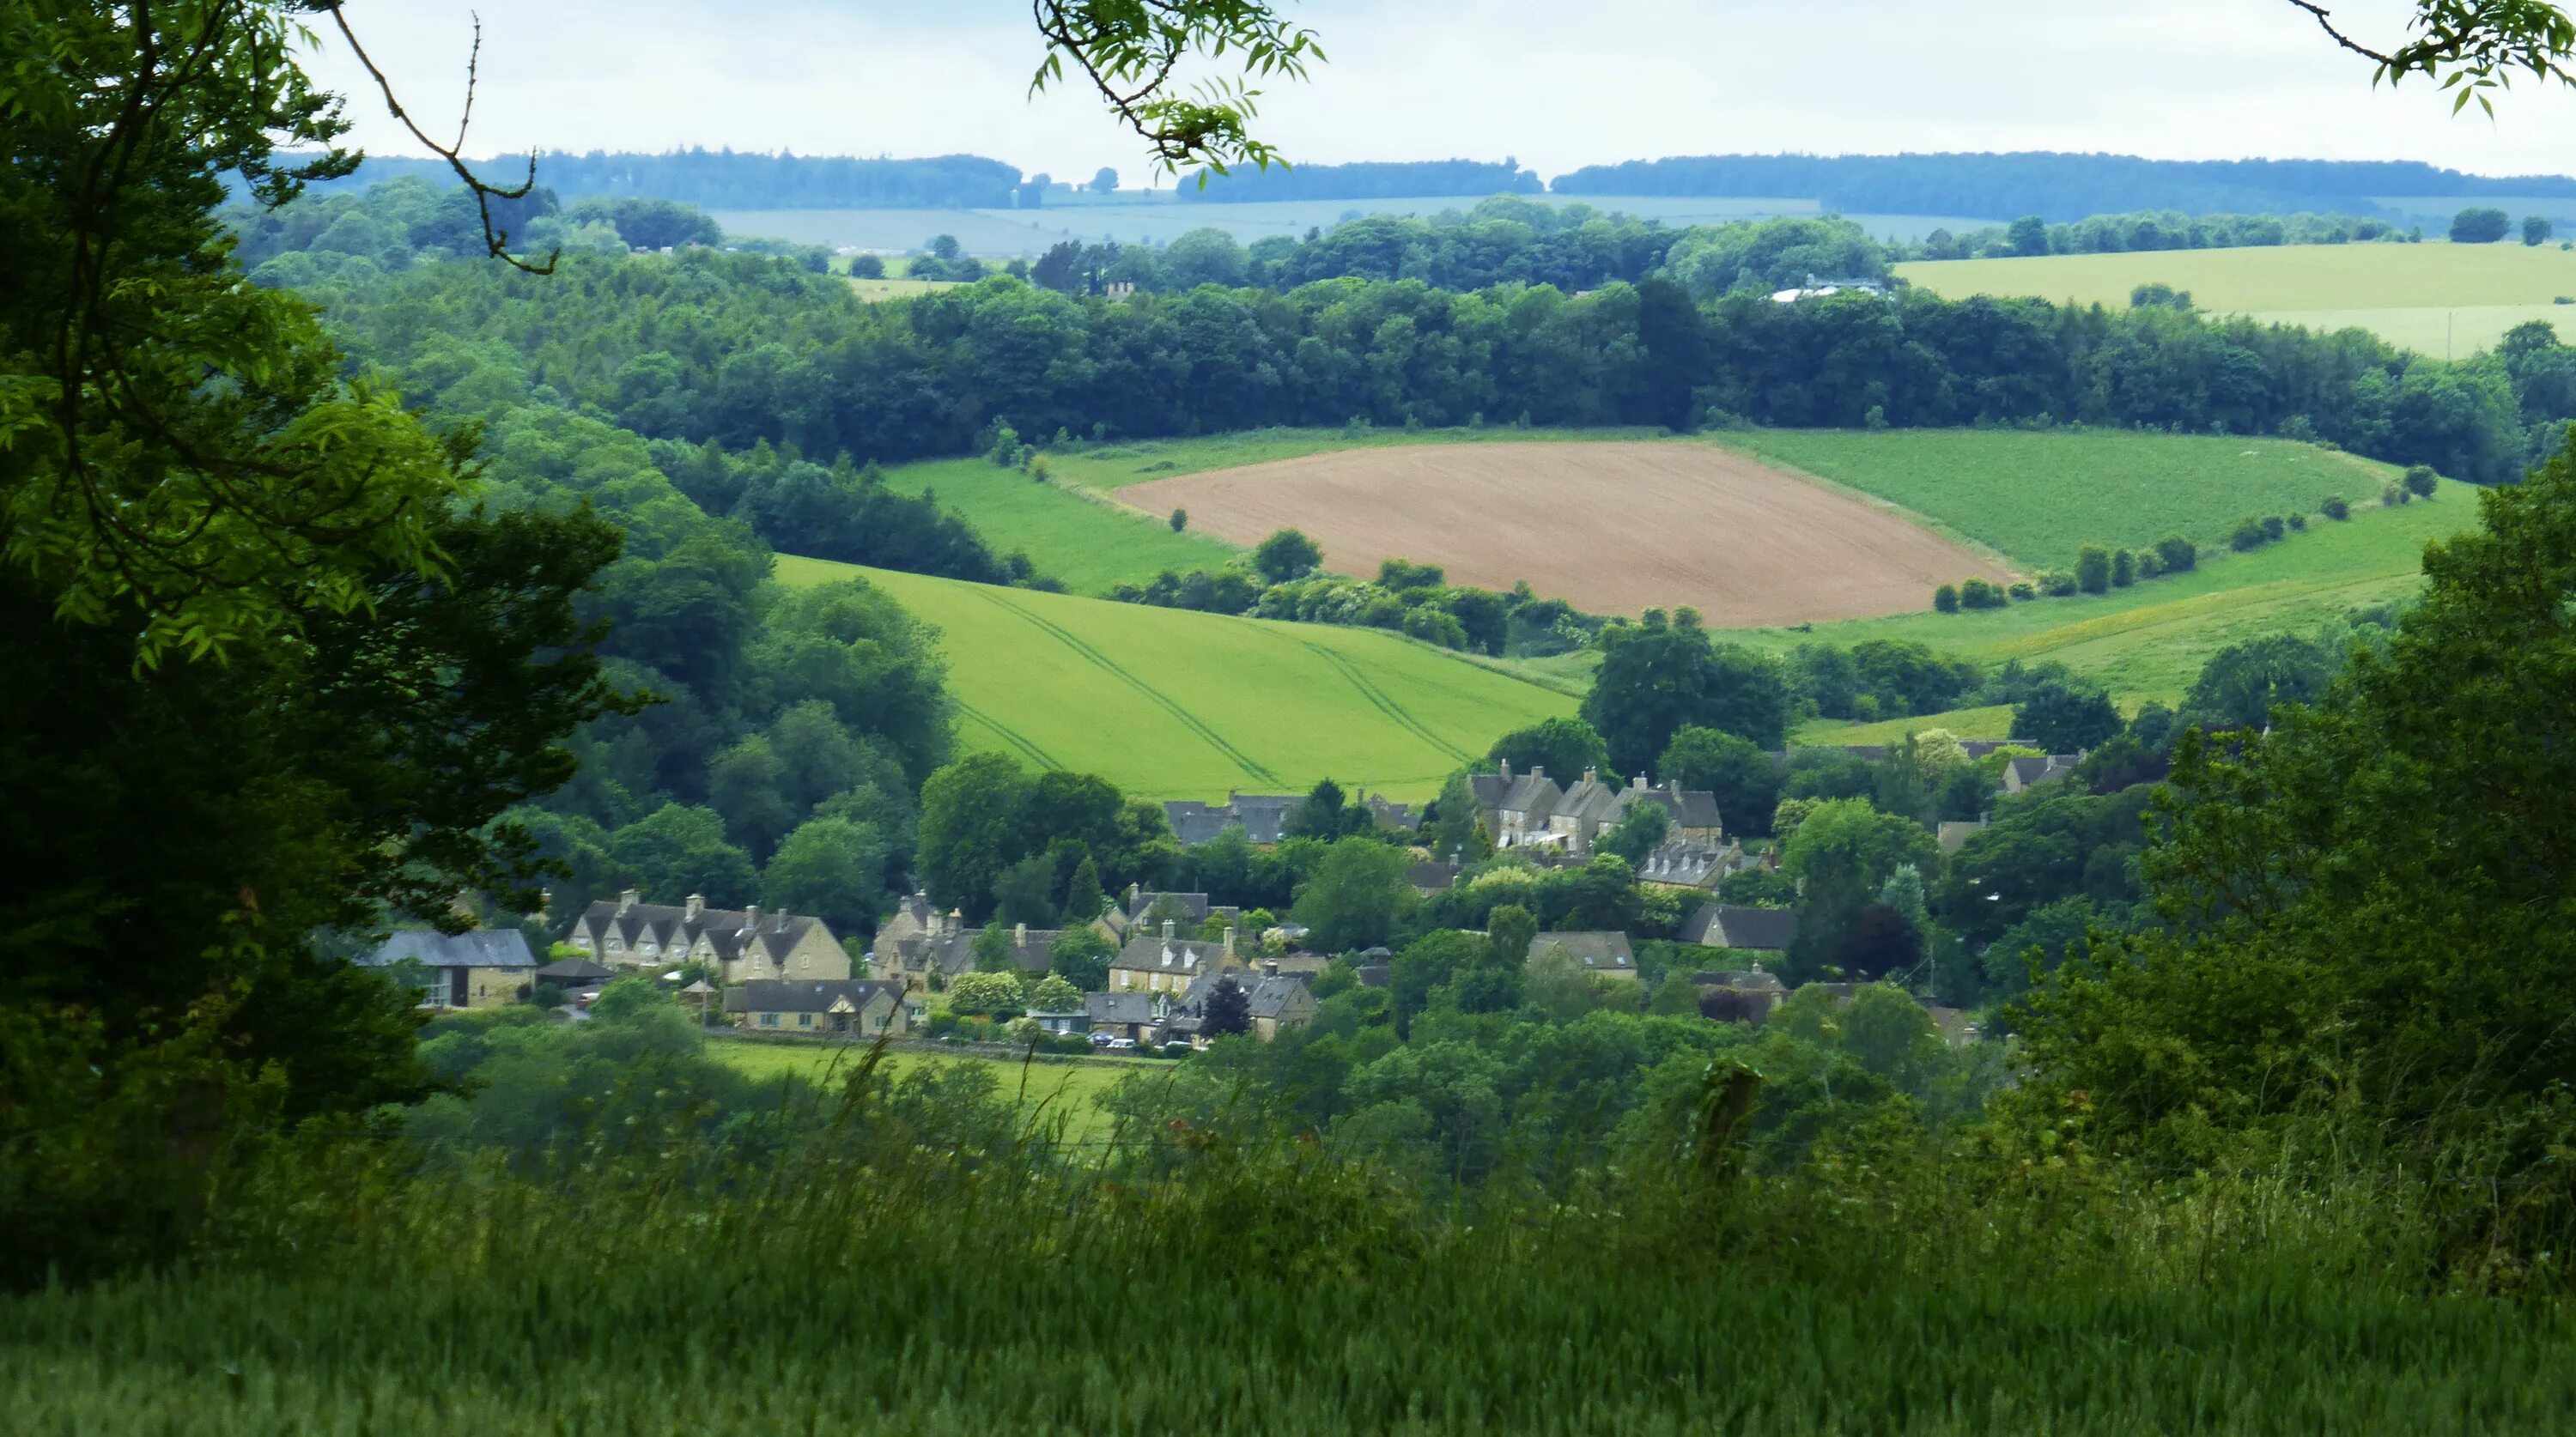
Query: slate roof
[[1755, 981], [481, 948], [1261, 816], [1729, 925], [1153, 953], [1599, 952], [780, 995], [1193, 904], [729, 931], [1432, 877], [575, 970], [1265, 997], [1688, 807]]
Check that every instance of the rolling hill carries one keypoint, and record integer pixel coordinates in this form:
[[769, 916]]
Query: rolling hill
[[1171, 704]]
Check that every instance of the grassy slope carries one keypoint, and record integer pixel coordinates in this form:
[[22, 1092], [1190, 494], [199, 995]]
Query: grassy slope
[[2398, 291], [2035, 495], [1115, 466], [2150, 640], [1088, 543], [1170, 704], [1990, 722], [1071, 1088]]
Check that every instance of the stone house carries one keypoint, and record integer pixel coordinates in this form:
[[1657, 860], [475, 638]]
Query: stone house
[[484, 968], [1261, 816], [1745, 930], [1273, 1001], [2022, 774], [849, 1008], [1603, 954], [1530, 811], [741, 945], [941, 946], [1166, 963], [1138, 1016]]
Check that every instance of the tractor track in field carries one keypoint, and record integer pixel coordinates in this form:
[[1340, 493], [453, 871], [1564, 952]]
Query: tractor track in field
[[1110, 666], [1380, 700], [1009, 735]]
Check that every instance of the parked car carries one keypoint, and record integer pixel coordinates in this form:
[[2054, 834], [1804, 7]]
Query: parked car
[[1103, 1038], [1117, 1044]]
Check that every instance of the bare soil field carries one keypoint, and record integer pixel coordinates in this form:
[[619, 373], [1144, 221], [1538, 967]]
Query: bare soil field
[[1612, 528]]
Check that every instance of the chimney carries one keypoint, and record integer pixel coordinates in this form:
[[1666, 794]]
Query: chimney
[[1269, 967], [1638, 783], [1019, 935], [697, 905], [1229, 942], [1167, 930], [1505, 768], [1591, 774], [625, 901], [751, 918], [1538, 773]]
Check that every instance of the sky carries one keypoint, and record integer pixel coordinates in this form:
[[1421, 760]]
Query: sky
[[1554, 85]]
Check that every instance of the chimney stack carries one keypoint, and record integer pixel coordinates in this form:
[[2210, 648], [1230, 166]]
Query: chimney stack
[[1505, 768], [1269, 967], [751, 918], [1591, 775], [1638, 783], [1019, 935], [1229, 942], [697, 905], [1167, 930], [625, 901], [1540, 772]]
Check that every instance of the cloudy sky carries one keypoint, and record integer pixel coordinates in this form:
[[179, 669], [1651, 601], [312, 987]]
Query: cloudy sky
[[1556, 85]]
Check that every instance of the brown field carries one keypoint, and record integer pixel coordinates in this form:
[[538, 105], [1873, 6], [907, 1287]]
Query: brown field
[[1613, 528]]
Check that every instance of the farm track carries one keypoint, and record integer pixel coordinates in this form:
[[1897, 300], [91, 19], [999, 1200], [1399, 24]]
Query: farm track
[[1383, 703], [1111, 667], [1008, 735]]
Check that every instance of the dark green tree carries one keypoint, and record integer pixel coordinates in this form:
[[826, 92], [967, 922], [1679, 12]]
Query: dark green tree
[[2063, 718], [1660, 677], [1228, 1010], [1565, 747], [1285, 555], [971, 815]]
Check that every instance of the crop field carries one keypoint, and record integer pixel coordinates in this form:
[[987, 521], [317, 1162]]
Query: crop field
[[1089, 543], [1046, 1088], [2036, 495], [2149, 641], [1171, 704], [1131, 218], [2423, 296], [1612, 528]]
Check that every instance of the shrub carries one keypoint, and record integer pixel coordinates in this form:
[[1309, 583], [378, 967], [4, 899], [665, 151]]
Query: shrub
[[2421, 480], [2021, 589], [1180, 520], [2176, 554], [867, 266], [2335, 508], [2124, 569], [2273, 528], [2093, 569], [1876, 418], [2055, 583], [2298, 522], [2148, 564], [1980, 594], [2395, 494], [2248, 535], [1945, 599]]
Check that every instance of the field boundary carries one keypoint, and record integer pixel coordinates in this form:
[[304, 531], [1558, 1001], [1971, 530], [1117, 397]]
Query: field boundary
[[1918, 519], [1385, 703], [1110, 666]]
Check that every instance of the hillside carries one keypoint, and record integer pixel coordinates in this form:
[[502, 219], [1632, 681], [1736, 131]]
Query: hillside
[[2441, 299], [1085, 542], [1171, 704], [2036, 495]]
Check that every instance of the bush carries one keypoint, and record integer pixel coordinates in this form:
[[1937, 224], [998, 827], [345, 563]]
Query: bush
[[2298, 522], [2395, 494], [2093, 569], [2055, 583], [2273, 528], [2124, 569], [1945, 599], [2421, 480], [2335, 508], [2479, 224], [1980, 594], [1180, 520], [2249, 535], [2148, 564], [2021, 589], [1876, 418], [2176, 554]]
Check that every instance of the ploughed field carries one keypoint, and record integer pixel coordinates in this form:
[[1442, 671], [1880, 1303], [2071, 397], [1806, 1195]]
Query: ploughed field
[[1614, 528]]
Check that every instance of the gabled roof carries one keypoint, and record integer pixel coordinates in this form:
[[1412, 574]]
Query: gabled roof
[[575, 970], [1153, 953], [1728, 925], [1601, 951], [1265, 997], [1120, 1007], [1754, 981], [779, 995], [481, 948], [1193, 904], [1533, 793], [1588, 802]]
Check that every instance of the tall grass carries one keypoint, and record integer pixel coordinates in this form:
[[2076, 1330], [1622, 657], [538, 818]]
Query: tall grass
[[888, 1272]]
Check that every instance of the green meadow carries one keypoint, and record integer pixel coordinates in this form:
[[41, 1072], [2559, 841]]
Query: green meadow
[[2034, 496], [2422, 296], [1993, 721], [1088, 542], [1114, 466], [1045, 1087], [1166, 703], [2148, 641]]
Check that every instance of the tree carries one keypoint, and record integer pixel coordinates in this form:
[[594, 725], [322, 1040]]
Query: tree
[[2536, 229], [1639, 832], [2062, 718], [2093, 569], [677, 850], [1084, 898], [1356, 895], [830, 868], [1228, 1009], [987, 993], [1945, 599], [1735, 771], [1104, 180], [1323, 813], [1842, 854], [2241, 684], [1054, 994], [1659, 677], [1180, 520], [1565, 747], [1081, 957], [970, 829], [2029, 236], [1024, 892], [993, 950], [1285, 555], [2479, 224], [1509, 930]]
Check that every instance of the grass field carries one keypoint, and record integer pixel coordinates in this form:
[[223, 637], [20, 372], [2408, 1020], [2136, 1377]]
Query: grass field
[[1089, 543], [1071, 1088], [1990, 722], [2417, 295], [1170, 704], [2035, 495], [2149, 641]]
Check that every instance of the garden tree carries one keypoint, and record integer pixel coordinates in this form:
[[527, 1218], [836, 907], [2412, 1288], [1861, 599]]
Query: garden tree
[[1660, 677], [1357, 896], [1080, 956], [1054, 994], [1736, 771], [2045, 936], [1426, 964], [2369, 906], [1556, 985], [832, 869], [2042, 847], [1323, 814], [1903, 892], [1025, 892], [1453, 827], [1759, 888], [1639, 832], [993, 951], [2241, 684], [1842, 855], [987, 993], [970, 815], [1285, 555], [1508, 932], [678, 849], [1887, 1032], [1565, 747], [1084, 899], [2065, 718], [1228, 1009]]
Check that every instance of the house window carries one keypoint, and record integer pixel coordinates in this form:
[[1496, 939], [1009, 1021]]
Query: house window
[[769, 1020], [804, 1020]]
